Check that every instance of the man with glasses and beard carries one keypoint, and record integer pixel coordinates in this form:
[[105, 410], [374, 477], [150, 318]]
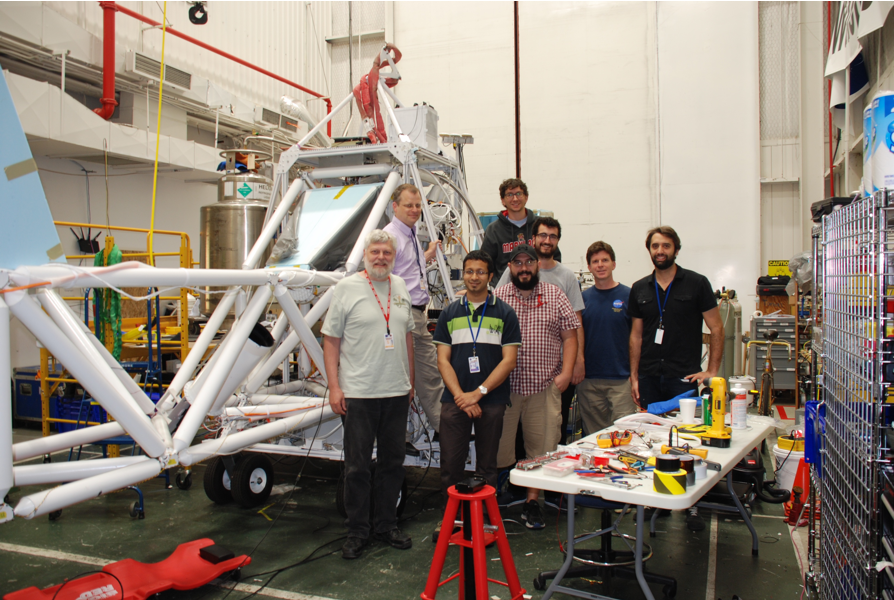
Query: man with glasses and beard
[[544, 366], [667, 309], [368, 354], [547, 233]]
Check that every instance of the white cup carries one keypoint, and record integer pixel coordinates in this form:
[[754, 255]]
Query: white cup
[[687, 410]]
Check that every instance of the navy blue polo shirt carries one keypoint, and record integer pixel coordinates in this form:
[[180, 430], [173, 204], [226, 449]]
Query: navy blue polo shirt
[[499, 328], [606, 333]]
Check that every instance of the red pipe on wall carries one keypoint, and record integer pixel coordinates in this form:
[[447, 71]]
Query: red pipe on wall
[[108, 61], [831, 150], [107, 66]]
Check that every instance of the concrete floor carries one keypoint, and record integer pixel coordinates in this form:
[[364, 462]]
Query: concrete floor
[[713, 564]]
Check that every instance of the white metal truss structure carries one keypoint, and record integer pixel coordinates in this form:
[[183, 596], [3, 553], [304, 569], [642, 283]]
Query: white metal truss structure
[[228, 394]]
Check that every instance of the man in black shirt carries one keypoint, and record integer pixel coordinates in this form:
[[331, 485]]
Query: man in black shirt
[[667, 309]]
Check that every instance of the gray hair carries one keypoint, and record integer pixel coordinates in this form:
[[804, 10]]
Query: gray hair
[[380, 236]]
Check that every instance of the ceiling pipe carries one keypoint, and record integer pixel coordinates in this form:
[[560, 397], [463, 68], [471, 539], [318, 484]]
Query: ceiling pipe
[[108, 61], [192, 40]]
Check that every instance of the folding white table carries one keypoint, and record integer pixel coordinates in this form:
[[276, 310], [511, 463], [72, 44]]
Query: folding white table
[[743, 441]]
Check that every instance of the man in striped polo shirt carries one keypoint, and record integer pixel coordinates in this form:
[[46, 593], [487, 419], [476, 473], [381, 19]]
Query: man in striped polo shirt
[[477, 339]]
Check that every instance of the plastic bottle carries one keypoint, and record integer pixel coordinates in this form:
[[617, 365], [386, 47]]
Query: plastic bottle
[[739, 412]]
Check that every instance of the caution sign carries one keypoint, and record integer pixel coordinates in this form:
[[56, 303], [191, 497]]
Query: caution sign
[[776, 268]]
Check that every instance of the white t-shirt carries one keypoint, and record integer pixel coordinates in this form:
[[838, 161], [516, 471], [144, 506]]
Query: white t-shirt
[[366, 369]]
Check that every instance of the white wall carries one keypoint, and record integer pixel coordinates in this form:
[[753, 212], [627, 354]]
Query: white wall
[[709, 139], [594, 79]]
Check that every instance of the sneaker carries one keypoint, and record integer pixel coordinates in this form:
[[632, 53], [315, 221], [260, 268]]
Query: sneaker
[[353, 547], [532, 515], [396, 539]]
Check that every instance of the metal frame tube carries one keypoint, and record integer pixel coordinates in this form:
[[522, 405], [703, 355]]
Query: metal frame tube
[[6, 472], [122, 408], [273, 223], [400, 133], [357, 171], [62, 441], [63, 472], [299, 326], [242, 440], [429, 223], [104, 362], [261, 374], [197, 352], [227, 355], [372, 221], [58, 498]]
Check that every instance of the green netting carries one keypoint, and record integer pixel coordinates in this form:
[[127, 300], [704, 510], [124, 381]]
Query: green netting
[[108, 304]]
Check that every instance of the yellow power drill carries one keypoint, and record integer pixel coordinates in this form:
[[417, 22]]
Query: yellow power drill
[[718, 436]]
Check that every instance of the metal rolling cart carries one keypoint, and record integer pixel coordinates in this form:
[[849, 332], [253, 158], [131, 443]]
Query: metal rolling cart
[[857, 273]]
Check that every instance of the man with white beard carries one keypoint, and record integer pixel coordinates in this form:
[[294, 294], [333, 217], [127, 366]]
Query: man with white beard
[[368, 353]]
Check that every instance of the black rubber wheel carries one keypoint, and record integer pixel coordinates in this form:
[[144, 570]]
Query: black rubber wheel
[[184, 482], [340, 495], [539, 584], [217, 482], [134, 509], [55, 515], [670, 591], [253, 480]]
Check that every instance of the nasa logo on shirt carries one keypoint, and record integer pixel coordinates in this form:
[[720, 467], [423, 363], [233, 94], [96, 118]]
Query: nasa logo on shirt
[[617, 305]]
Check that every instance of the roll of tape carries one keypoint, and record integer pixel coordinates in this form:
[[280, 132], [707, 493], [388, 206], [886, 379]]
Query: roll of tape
[[670, 483], [667, 463], [687, 463], [701, 470]]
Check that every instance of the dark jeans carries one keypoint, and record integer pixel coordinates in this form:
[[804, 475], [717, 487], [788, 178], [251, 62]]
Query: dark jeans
[[658, 388], [456, 431], [383, 421], [567, 397]]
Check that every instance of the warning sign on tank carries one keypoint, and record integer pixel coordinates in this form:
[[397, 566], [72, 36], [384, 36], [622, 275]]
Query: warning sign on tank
[[776, 268]]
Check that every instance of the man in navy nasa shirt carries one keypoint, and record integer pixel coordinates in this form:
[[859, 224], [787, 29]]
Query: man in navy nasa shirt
[[604, 394]]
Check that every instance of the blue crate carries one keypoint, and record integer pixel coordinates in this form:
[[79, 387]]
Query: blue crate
[[71, 408]]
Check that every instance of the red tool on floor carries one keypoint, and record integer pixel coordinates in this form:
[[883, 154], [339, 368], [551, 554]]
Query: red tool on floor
[[192, 565]]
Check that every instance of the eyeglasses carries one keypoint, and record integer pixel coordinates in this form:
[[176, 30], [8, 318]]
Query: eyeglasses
[[548, 236], [514, 195], [479, 272], [527, 263]]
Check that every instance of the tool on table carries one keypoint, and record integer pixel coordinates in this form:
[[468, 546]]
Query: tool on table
[[624, 485], [680, 451], [613, 439], [538, 461], [718, 436]]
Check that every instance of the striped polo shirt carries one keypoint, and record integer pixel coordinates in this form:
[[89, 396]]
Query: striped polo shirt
[[499, 328]]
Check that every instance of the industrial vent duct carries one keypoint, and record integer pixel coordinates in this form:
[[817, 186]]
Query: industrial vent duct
[[274, 119], [150, 68]]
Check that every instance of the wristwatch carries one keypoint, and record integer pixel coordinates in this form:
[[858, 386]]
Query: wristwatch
[[483, 390]]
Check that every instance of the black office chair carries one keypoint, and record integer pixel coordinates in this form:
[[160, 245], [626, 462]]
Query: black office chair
[[606, 561]]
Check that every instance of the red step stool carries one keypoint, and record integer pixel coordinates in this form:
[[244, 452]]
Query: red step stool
[[185, 569], [476, 541]]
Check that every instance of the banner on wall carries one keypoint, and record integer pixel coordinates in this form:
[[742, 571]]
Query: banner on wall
[[855, 20]]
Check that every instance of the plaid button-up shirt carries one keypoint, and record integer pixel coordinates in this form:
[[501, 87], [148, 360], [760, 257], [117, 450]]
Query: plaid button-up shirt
[[543, 316]]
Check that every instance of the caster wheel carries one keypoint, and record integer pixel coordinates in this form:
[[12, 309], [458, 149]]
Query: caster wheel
[[539, 584], [184, 482], [253, 480], [55, 515], [217, 483], [670, 591], [135, 511]]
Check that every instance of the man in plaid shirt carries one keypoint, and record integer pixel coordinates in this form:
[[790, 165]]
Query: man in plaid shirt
[[544, 368]]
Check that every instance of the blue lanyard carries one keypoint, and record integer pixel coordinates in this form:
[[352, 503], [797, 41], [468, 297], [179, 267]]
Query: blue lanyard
[[480, 320], [661, 304], [418, 258]]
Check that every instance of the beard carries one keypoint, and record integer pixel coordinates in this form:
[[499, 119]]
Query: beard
[[665, 264], [377, 272], [546, 253], [525, 285]]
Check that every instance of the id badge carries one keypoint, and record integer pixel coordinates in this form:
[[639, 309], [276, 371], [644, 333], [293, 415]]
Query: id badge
[[659, 335], [422, 284], [389, 341], [474, 366]]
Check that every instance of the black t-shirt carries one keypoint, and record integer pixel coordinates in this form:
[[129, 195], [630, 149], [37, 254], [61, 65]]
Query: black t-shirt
[[680, 351], [498, 328]]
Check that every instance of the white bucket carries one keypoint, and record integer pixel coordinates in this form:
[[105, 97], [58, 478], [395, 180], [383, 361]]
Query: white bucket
[[739, 385], [785, 477]]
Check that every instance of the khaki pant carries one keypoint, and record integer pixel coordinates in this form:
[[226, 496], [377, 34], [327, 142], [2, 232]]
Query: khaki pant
[[429, 385], [603, 401], [541, 419]]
